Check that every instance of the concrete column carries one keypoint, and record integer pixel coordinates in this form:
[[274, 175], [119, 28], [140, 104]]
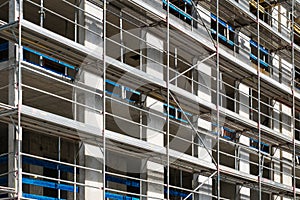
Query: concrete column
[[244, 166], [286, 120], [244, 156], [276, 165], [276, 116], [275, 18], [12, 99], [284, 21], [286, 130], [90, 155], [204, 77], [276, 152], [286, 176], [276, 67], [245, 49], [244, 99], [153, 52], [155, 171], [286, 68], [287, 170], [92, 24]]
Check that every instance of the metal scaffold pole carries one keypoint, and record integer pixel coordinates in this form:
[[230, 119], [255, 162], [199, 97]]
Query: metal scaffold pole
[[218, 105], [19, 128], [104, 97], [260, 168], [293, 96], [168, 100]]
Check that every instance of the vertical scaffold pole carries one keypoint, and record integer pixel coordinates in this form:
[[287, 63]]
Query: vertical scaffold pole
[[260, 168], [104, 97], [218, 105], [293, 93], [19, 129], [168, 99]]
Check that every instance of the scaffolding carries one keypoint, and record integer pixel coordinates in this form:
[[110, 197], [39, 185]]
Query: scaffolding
[[158, 99]]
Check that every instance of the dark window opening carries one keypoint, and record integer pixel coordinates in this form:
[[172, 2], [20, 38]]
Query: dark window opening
[[184, 117], [131, 95], [226, 32], [135, 186], [179, 115], [115, 179], [263, 54], [183, 9], [297, 34], [32, 58], [181, 179], [229, 134], [54, 66], [263, 146], [3, 50], [172, 111], [113, 88], [263, 15], [122, 92], [50, 64], [50, 192], [265, 109], [286, 121]]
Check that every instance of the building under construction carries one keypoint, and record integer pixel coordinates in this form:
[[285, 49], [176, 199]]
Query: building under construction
[[150, 99]]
